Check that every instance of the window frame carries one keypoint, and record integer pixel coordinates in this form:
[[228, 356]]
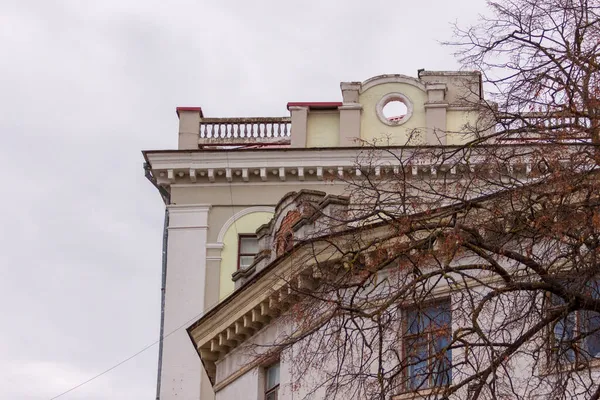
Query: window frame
[[275, 389], [576, 345], [239, 249], [430, 338]]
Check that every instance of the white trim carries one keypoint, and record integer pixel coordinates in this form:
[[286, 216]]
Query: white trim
[[171, 228], [383, 79], [240, 214], [435, 105], [273, 183], [297, 108], [189, 207], [214, 245], [394, 96], [350, 106]]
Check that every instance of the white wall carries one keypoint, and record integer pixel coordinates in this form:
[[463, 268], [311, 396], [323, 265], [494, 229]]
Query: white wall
[[184, 300], [245, 387]]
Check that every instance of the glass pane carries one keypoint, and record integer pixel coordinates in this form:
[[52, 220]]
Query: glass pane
[[442, 366], [593, 288], [564, 331], [564, 328], [248, 245], [418, 374], [556, 300], [591, 329], [440, 342], [439, 315], [272, 376], [246, 261], [416, 322]]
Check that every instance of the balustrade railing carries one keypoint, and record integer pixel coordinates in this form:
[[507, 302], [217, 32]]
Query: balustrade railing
[[544, 126], [246, 130]]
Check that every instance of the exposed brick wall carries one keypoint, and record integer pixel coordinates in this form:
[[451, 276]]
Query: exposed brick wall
[[284, 237]]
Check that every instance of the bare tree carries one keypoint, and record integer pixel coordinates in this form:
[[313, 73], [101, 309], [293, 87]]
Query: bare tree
[[479, 279]]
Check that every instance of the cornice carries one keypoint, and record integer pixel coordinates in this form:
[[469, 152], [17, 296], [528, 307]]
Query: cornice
[[324, 165]]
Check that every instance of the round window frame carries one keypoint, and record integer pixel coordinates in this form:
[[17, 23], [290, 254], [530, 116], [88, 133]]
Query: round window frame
[[388, 98]]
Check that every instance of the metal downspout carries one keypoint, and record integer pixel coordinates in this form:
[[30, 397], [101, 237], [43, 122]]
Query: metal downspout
[[162, 301], [167, 199]]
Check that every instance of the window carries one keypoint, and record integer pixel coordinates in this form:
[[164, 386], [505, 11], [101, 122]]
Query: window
[[577, 335], [247, 249], [427, 336], [272, 382]]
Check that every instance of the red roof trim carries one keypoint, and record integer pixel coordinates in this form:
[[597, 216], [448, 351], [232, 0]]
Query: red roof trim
[[322, 105], [198, 109]]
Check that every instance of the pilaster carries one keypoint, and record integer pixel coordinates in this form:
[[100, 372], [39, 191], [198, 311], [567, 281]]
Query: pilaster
[[184, 299], [350, 114], [189, 127], [299, 117], [435, 113]]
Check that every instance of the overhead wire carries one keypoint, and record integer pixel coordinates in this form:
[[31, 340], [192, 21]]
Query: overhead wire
[[194, 318], [170, 333]]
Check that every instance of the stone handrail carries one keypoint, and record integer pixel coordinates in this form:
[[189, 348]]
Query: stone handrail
[[246, 128], [543, 126]]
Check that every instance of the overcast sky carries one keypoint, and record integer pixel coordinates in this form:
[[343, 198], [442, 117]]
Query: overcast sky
[[84, 86]]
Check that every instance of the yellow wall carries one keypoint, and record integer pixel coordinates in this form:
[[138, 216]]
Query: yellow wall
[[245, 224], [372, 128], [460, 121], [323, 129]]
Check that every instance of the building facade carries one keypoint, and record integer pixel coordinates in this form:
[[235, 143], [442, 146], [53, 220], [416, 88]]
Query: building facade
[[231, 176]]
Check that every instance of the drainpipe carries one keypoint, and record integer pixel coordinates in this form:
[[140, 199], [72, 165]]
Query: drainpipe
[[166, 198]]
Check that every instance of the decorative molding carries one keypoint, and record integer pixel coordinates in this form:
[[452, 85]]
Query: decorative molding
[[240, 214], [297, 108], [436, 105], [192, 227], [394, 96], [218, 333], [188, 207], [237, 374], [458, 107], [311, 165], [218, 245], [288, 182], [383, 79], [243, 272], [188, 217], [351, 106]]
